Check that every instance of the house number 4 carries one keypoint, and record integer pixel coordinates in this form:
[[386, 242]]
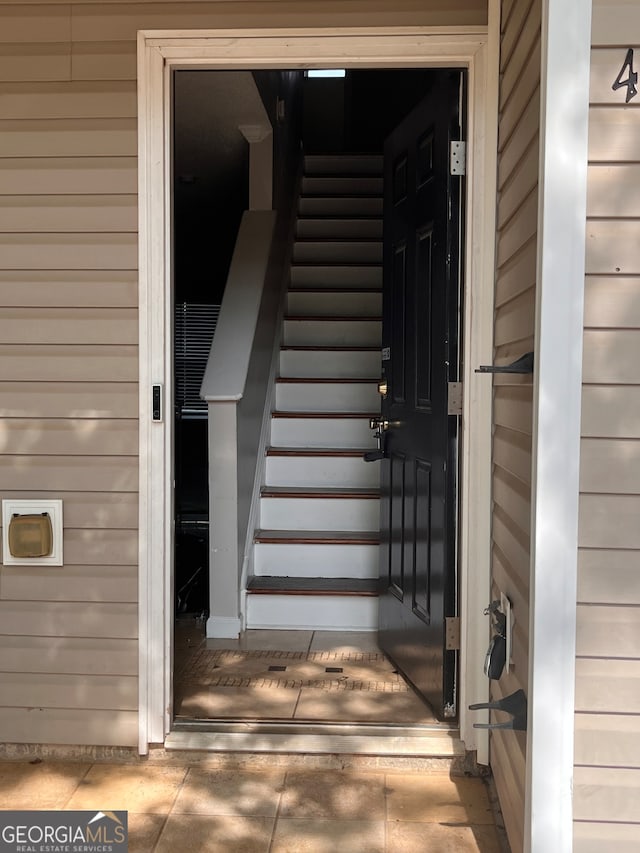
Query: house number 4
[[630, 80]]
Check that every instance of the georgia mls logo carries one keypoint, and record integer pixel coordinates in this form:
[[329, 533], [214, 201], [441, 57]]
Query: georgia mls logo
[[63, 832]]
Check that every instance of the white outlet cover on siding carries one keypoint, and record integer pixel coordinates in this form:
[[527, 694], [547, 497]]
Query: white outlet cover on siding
[[27, 507]]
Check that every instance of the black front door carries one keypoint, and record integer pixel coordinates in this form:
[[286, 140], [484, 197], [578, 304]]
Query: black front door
[[419, 359]]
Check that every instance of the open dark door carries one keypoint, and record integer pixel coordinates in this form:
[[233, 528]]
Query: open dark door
[[419, 359]]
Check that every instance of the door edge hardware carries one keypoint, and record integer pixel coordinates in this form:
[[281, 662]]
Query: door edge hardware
[[452, 633], [524, 364], [496, 656], [454, 401], [514, 704], [383, 388], [378, 423], [458, 157]]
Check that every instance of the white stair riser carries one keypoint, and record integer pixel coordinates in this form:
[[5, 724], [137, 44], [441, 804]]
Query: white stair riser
[[316, 561], [330, 332], [357, 206], [359, 229], [337, 252], [357, 514], [339, 364], [343, 164], [330, 303], [320, 432], [336, 276], [327, 397], [313, 612], [365, 185], [338, 471]]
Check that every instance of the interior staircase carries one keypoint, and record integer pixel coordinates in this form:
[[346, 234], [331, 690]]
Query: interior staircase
[[316, 552]]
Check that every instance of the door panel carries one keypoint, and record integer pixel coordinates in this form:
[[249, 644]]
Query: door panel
[[420, 321]]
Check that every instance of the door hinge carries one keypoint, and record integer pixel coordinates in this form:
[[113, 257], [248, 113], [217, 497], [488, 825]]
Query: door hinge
[[452, 633], [454, 403], [458, 157]]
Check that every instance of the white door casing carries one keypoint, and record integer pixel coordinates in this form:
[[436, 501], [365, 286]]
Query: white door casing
[[159, 53]]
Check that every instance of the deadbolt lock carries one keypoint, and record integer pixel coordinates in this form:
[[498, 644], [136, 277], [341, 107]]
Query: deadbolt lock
[[379, 424], [383, 388]]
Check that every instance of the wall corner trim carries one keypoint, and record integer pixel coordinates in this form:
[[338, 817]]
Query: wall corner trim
[[565, 65]]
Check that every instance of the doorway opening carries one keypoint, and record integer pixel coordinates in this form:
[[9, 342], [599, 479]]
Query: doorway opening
[[332, 676]]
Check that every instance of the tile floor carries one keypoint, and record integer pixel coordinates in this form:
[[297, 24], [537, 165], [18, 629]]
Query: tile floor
[[225, 679], [179, 808]]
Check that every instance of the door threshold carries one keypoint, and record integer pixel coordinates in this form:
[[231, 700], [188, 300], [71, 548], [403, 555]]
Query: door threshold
[[425, 741]]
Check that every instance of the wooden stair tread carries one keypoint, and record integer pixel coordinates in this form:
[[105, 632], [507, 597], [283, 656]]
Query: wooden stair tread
[[338, 238], [339, 217], [326, 415], [318, 492], [318, 451], [318, 348], [326, 264], [312, 586], [317, 537], [335, 318], [352, 291], [325, 380], [321, 192]]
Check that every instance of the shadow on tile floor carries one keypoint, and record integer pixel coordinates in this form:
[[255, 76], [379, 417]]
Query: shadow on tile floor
[[325, 676], [198, 808]]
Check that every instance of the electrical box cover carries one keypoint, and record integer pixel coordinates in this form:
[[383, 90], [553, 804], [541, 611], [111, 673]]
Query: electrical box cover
[[30, 535]]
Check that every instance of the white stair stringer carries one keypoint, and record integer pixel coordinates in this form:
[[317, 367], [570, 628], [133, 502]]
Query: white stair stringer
[[315, 558]]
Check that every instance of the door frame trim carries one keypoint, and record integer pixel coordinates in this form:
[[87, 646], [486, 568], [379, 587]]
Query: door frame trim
[[160, 52]]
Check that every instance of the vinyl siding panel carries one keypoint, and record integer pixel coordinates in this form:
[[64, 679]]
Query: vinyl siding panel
[[109, 60], [42, 22], [608, 575], [69, 325], [63, 437], [110, 22], [611, 302], [611, 741], [613, 134], [63, 214], [68, 288], [518, 153], [69, 619], [69, 725], [68, 342], [607, 773], [69, 99], [74, 583], [70, 473], [67, 363], [68, 377], [68, 400], [68, 176], [86, 656], [57, 691], [76, 137], [31, 62]]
